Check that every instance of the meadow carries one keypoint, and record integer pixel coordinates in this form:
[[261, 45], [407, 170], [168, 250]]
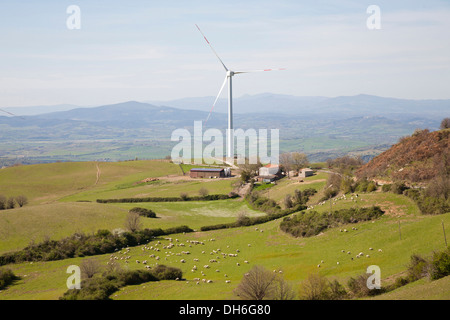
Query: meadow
[[65, 212]]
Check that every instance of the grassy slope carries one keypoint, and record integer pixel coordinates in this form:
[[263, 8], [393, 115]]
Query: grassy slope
[[45, 183], [272, 248]]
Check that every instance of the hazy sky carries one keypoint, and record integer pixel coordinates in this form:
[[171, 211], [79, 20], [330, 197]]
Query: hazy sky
[[151, 50]]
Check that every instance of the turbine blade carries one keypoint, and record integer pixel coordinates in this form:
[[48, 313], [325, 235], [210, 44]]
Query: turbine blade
[[262, 70], [217, 98], [226, 69], [11, 114]]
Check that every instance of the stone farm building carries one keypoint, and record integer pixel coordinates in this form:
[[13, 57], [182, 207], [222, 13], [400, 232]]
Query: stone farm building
[[306, 172], [207, 173], [269, 173]]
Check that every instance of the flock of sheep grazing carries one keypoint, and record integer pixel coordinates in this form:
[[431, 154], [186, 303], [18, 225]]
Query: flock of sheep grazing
[[359, 255], [353, 197], [163, 251]]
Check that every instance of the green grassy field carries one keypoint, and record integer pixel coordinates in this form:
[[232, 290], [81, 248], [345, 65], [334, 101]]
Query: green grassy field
[[59, 215]]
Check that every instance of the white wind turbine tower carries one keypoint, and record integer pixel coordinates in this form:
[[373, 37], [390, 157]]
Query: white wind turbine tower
[[228, 78]]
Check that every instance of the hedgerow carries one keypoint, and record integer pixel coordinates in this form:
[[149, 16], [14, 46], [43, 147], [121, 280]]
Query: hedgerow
[[310, 223], [80, 245]]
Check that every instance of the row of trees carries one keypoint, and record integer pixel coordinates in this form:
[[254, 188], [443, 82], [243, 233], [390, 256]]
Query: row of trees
[[11, 202]]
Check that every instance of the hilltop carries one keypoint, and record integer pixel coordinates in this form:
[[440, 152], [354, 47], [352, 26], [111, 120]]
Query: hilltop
[[418, 158]]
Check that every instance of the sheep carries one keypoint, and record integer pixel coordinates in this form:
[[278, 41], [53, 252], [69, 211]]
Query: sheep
[[367, 256], [246, 261], [379, 250], [337, 262], [318, 266], [370, 248], [227, 281], [196, 279], [182, 261], [237, 263], [137, 261], [209, 281]]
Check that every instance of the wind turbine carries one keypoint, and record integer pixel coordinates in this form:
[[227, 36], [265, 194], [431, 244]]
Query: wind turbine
[[229, 78]]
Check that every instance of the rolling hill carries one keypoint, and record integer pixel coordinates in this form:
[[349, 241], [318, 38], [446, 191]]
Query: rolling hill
[[418, 158]]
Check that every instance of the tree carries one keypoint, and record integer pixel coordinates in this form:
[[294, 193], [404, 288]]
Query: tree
[[288, 201], [249, 170], [11, 203], [3, 201], [286, 162], [89, 267], [293, 161], [299, 161], [203, 192], [445, 124], [257, 284], [133, 221], [315, 287], [21, 200]]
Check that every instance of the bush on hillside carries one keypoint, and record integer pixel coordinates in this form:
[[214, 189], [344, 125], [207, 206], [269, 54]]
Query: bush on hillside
[[81, 245], [7, 277], [311, 223], [101, 288], [148, 213]]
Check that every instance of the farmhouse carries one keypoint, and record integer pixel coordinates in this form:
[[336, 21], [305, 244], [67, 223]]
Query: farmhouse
[[305, 172], [269, 173], [208, 173]]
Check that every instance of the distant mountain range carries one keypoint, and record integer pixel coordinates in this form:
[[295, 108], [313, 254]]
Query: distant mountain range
[[343, 106], [319, 126], [362, 104]]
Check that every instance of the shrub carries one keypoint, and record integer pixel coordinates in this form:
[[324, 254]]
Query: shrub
[[184, 196], [398, 187], [417, 268], [203, 192], [310, 223], [386, 187], [318, 287], [358, 286], [21, 200], [148, 213], [3, 202], [440, 264], [102, 287], [10, 203], [7, 277]]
